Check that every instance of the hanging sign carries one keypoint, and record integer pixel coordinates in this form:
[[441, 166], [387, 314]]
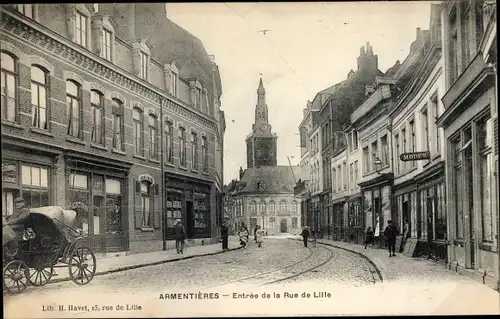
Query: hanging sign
[[416, 156]]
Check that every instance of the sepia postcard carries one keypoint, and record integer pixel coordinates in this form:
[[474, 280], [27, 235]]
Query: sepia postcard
[[255, 159]]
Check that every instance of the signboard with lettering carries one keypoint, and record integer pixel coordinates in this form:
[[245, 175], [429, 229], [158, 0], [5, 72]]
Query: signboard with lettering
[[9, 173], [416, 156]]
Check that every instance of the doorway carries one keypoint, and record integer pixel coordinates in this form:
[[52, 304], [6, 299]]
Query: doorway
[[190, 221], [99, 222], [406, 219], [283, 226]]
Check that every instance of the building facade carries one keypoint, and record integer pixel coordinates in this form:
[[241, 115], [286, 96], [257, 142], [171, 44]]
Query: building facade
[[97, 119], [470, 124]]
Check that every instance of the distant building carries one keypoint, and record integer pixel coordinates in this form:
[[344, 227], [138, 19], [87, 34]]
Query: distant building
[[264, 195]]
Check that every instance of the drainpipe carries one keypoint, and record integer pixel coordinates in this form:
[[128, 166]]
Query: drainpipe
[[163, 188]]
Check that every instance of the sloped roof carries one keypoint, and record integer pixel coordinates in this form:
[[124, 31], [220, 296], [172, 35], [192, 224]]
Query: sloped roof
[[271, 179]]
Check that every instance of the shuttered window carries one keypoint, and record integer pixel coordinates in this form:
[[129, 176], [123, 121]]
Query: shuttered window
[[147, 205]]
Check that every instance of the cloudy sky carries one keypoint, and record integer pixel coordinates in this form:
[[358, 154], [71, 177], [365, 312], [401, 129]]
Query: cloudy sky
[[311, 47]]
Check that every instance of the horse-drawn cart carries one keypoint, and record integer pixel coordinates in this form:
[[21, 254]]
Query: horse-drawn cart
[[44, 240]]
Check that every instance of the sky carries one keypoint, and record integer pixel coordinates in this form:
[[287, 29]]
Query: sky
[[311, 46]]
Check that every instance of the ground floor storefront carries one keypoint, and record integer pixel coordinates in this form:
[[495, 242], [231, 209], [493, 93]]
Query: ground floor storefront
[[355, 219]]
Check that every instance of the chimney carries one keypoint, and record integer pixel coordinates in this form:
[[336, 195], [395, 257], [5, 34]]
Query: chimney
[[212, 58], [369, 50], [367, 60], [419, 33], [241, 172], [350, 73]]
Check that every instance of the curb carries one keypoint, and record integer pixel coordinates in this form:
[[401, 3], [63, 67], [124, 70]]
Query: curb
[[125, 268], [374, 262]]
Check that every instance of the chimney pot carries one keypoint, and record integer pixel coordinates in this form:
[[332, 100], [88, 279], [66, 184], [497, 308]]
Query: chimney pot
[[212, 58], [362, 51]]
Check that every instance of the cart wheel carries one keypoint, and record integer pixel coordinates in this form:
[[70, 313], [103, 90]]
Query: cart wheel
[[16, 276], [82, 266], [41, 276]]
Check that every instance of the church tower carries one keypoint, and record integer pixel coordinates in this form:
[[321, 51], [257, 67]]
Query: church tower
[[261, 143]]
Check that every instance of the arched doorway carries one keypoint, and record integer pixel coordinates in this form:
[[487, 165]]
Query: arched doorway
[[284, 226]]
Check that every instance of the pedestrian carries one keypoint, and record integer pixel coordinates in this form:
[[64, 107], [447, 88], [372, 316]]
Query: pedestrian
[[255, 233], [305, 235], [243, 236], [224, 233], [390, 233], [370, 237], [258, 236], [180, 236]]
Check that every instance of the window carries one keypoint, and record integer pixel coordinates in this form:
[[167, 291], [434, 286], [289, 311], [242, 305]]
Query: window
[[484, 136], [283, 207], [182, 146], [9, 86], [117, 123], [465, 27], [385, 150], [453, 47], [403, 147], [436, 113], [355, 139], [253, 207], [294, 207], [351, 176], [425, 130], [349, 142], [204, 153], [334, 180], [146, 207], [173, 83], [413, 140], [194, 151], [26, 9], [458, 182], [169, 140], [339, 178], [138, 131], [356, 171], [374, 154], [366, 160], [97, 114], [344, 168], [197, 97], [81, 29], [153, 136], [74, 108], [38, 97], [398, 152], [144, 65], [262, 207], [272, 208], [106, 38], [35, 190]]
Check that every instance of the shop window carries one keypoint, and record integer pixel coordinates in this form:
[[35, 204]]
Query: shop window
[[138, 131], [201, 214], [9, 86], [194, 151], [484, 137], [153, 136], [118, 125], [97, 116], [458, 178], [39, 90], [114, 222], [174, 210], [74, 108], [169, 142], [7, 202], [440, 219], [294, 222], [182, 146], [272, 208], [79, 198]]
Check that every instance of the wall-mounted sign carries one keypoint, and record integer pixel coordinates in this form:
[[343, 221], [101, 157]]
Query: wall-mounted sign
[[416, 156], [9, 173]]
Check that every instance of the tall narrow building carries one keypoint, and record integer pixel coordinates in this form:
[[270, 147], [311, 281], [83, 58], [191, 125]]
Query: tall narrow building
[[261, 142]]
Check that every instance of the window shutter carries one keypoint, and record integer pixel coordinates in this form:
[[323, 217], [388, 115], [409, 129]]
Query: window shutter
[[137, 205], [157, 207]]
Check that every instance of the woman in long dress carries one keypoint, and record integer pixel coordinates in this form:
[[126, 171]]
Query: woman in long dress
[[258, 236], [243, 236]]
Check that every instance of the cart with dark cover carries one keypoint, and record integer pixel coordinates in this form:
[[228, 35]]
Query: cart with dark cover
[[44, 240]]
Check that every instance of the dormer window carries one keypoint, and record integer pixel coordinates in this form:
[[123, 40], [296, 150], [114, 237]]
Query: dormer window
[[106, 37], [144, 65], [81, 30], [141, 53], [197, 97], [78, 16], [103, 33], [26, 9], [173, 82]]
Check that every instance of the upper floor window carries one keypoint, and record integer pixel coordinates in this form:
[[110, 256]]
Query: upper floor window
[[173, 83], [355, 139], [262, 207], [334, 180], [39, 90], [283, 207], [349, 142], [396, 142], [272, 208], [204, 153], [106, 43], [385, 150], [169, 140], [138, 131], [194, 151], [81, 30], [117, 123], [144, 65], [374, 154], [294, 208], [26, 9], [453, 46], [97, 114], [9, 86], [355, 171], [366, 160], [182, 146], [339, 178], [436, 113], [413, 140], [425, 130], [344, 168], [351, 175], [153, 136], [197, 98], [146, 207], [74, 108]]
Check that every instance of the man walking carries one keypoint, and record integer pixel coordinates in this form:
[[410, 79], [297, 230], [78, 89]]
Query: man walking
[[224, 233], [305, 235], [180, 236], [390, 233]]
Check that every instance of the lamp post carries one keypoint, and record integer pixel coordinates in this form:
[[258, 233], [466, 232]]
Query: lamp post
[[378, 165]]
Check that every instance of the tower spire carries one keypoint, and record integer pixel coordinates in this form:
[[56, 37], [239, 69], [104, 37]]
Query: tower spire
[[261, 89], [261, 108]]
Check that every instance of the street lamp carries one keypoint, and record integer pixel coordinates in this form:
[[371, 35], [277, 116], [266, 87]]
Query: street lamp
[[378, 165]]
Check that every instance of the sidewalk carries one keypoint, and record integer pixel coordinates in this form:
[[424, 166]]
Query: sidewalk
[[106, 265]]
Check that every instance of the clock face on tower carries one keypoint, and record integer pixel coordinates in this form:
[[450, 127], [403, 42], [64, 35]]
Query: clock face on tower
[[264, 128]]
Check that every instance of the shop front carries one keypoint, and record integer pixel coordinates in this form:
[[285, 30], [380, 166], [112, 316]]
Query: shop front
[[338, 218], [188, 199], [410, 221], [355, 219], [325, 213], [97, 192], [376, 201]]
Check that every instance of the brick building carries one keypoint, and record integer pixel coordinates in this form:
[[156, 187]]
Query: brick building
[[114, 113]]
